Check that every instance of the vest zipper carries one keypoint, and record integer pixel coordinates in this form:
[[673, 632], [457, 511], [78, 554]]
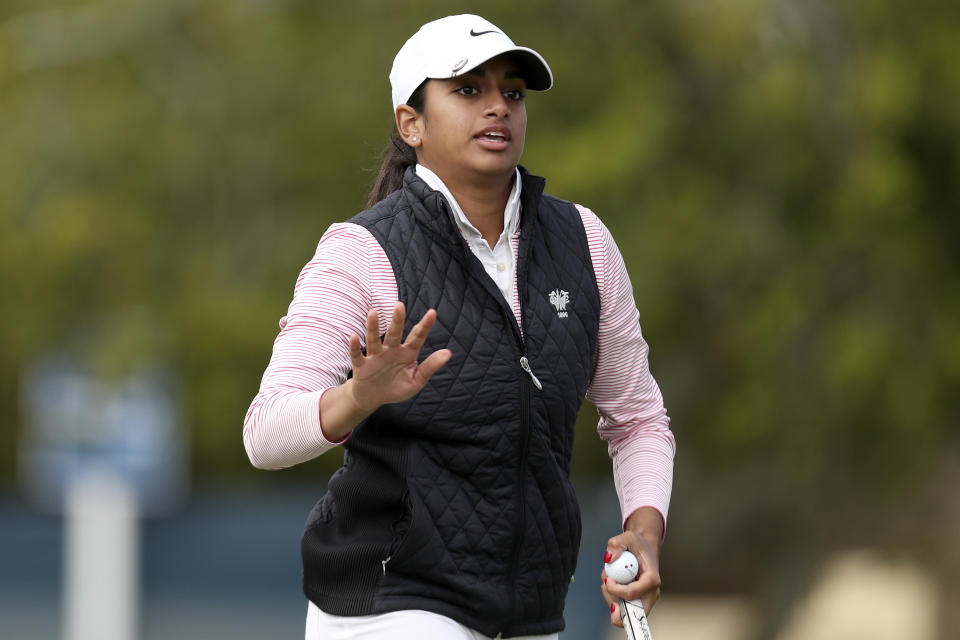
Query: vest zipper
[[525, 365], [524, 442], [522, 478]]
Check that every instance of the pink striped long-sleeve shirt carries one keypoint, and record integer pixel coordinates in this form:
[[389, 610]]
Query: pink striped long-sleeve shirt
[[350, 274]]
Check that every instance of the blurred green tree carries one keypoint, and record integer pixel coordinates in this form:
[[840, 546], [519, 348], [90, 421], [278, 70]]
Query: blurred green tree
[[783, 179]]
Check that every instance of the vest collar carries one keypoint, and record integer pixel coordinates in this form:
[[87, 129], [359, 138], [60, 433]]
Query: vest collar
[[430, 206]]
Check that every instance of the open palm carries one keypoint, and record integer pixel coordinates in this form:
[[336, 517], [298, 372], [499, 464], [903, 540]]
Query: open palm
[[389, 372]]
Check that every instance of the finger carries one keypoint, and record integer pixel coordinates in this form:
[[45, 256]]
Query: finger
[[618, 544], [356, 351], [395, 330], [646, 581], [647, 556], [419, 333], [650, 600], [610, 600], [613, 552], [373, 333], [616, 618], [615, 547], [645, 587], [431, 365], [604, 592]]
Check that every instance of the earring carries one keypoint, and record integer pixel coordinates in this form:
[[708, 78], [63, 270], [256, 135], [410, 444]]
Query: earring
[[415, 138]]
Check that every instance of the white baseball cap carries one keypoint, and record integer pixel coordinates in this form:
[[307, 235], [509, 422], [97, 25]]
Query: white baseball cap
[[454, 45]]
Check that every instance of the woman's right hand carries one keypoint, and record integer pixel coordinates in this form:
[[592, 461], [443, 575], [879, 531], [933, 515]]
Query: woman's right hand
[[388, 372]]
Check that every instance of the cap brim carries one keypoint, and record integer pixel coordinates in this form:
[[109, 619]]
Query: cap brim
[[534, 68]]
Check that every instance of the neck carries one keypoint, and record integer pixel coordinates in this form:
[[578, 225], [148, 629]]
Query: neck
[[482, 201]]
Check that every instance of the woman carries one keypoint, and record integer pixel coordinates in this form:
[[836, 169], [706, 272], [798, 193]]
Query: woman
[[453, 515]]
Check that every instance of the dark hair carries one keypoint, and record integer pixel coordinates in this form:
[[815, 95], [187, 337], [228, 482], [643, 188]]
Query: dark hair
[[397, 156]]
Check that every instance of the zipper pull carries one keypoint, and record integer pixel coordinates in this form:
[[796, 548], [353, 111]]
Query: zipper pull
[[525, 365], [384, 563]]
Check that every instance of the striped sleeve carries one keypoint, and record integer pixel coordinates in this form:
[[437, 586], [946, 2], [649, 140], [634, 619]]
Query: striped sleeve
[[348, 275], [633, 420]]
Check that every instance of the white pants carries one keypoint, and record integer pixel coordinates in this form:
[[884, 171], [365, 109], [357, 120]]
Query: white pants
[[397, 625]]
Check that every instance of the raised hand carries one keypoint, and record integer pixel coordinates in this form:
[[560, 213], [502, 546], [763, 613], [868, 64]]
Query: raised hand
[[389, 371]]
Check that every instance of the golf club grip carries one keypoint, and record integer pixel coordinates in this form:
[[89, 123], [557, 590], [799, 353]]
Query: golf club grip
[[635, 620]]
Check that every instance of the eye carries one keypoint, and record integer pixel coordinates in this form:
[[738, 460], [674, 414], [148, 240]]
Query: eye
[[467, 91], [514, 94]]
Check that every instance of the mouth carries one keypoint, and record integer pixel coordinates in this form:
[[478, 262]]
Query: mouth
[[494, 138]]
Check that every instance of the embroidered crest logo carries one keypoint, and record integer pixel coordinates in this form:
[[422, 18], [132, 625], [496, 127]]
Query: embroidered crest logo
[[559, 299]]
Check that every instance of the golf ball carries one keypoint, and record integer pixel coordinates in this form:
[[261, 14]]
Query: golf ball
[[623, 568]]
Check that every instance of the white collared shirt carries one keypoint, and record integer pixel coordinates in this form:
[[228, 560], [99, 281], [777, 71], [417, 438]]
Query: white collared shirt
[[498, 261]]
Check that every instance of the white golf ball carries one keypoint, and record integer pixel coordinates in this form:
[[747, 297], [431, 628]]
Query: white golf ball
[[623, 569]]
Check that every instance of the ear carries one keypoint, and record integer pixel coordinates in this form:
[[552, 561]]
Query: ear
[[410, 125]]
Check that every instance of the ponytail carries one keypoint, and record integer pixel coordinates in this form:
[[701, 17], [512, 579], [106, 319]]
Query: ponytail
[[397, 156]]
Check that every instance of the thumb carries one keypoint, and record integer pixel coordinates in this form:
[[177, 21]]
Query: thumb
[[432, 364]]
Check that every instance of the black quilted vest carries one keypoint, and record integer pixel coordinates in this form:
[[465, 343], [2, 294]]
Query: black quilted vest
[[458, 501]]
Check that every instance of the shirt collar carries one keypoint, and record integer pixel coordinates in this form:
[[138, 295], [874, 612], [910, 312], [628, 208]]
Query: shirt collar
[[511, 214]]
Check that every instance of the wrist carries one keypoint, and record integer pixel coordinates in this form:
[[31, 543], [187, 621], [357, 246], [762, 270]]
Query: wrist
[[647, 523], [361, 402]]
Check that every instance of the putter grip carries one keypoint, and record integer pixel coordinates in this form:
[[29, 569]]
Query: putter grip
[[635, 620]]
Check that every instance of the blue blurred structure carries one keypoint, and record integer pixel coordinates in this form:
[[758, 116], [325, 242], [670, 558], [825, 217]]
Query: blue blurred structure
[[228, 566], [76, 420]]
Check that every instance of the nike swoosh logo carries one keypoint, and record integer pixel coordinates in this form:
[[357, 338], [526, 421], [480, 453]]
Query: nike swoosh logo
[[475, 33]]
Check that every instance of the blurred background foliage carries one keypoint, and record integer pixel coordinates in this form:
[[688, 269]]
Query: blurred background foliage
[[782, 176]]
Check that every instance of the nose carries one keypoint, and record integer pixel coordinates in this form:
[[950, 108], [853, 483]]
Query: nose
[[497, 106]]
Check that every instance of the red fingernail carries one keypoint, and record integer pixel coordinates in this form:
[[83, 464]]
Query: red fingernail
[[613, 607], [607, 556]]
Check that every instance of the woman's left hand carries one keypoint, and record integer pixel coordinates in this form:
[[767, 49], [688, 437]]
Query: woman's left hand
[[642, 538]]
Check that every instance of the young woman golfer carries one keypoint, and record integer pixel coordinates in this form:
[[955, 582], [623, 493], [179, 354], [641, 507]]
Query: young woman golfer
[[453, 515]]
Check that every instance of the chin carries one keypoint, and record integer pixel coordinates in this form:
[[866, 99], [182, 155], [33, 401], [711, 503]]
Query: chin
[[496, 166]]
